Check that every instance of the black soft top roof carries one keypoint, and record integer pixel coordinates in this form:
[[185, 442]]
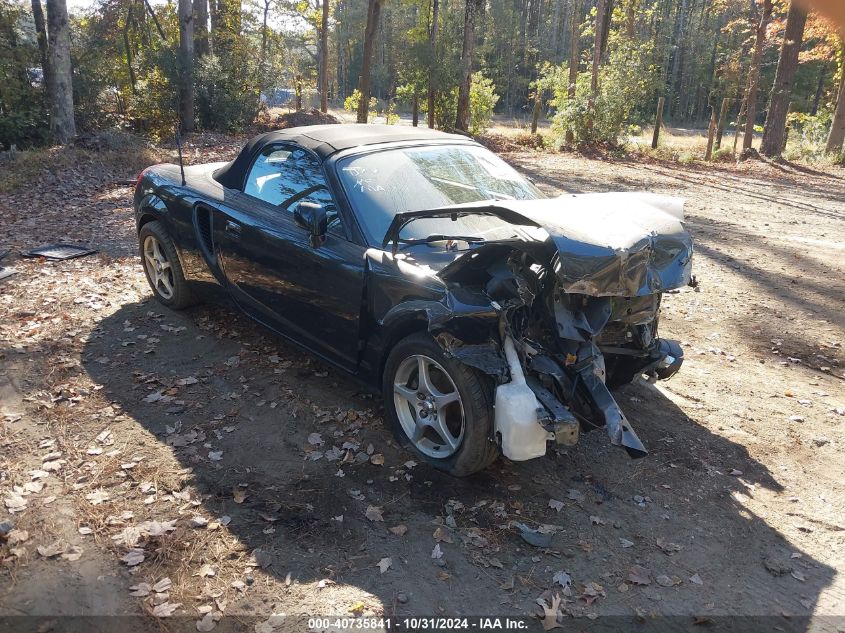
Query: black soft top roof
[[324, 140]]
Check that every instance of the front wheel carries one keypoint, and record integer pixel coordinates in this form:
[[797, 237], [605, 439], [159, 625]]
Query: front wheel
[[438, 407], [162, 267]]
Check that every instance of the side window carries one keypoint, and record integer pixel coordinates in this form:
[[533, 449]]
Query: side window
[[282, 173]]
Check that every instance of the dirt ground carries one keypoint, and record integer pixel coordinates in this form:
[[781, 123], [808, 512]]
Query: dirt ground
[[139, 445]]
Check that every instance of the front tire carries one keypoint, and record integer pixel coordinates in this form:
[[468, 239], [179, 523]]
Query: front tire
[[438, 407], [163, 268]]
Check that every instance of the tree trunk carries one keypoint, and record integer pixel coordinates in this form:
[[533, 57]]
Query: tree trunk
[[814, 110], [462, 118], [201, 45], [155, 21], [263, 59], [538, 107], [324, 58], [62, 123], [598, 46], [574, 32], [658, 122], [415, 114], [754, 76], [432, 46], [711, 134], [186, 65], [836, 138], [723, 119], [364, 79], [128, 49], [43, 48], [775, 128]]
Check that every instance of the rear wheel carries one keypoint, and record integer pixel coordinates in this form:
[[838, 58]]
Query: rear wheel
[[438, 407], [162, 267]]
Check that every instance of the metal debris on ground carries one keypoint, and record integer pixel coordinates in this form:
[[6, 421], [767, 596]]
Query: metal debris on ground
[[60, 251]]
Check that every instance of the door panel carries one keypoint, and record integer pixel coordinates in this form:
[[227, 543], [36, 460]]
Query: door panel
[[312, 295]]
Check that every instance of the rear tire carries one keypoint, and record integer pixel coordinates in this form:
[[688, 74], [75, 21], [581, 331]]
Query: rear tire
[[163, 268], [467, 418]]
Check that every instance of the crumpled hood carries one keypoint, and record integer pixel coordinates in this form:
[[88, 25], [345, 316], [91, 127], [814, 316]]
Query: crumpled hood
[[608, 244]]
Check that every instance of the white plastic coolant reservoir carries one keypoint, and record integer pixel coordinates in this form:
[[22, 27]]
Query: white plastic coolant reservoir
[[516, 414]]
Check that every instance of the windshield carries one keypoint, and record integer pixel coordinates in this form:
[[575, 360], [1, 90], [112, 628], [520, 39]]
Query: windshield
[[382, 184]]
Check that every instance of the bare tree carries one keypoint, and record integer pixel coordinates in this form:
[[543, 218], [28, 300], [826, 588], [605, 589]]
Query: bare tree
[[186, 65], [754, 75], [62, 123], [775, 129], [473, 7], [373, 12], [432, 46], [324, 58], [836, 138]]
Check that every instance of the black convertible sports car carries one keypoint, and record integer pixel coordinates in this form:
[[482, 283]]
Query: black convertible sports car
[[492, 318]]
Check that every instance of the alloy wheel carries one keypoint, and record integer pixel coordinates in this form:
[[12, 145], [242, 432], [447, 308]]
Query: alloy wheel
[[429, 406], [158, 267]]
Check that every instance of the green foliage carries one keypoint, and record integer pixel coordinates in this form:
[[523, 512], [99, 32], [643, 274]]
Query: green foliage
[[226, 93], [446, 109], [350, 104], [23, 115], [625, 82], [389, 114], [482, 100], [807, 136]]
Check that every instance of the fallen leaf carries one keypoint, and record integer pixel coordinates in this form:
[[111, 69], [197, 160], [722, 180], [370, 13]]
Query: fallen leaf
[[550, 614], [384, 564], [441, 535], [140, 590], [15, 503], [399, 530], [53, 549], [377, 459], [639, 575], [596, 520], [206, 571], [575, 495], [239, 495], [437, 552], [556, 505], [664, 581], [696, 579], [134, 556], [625, 543], [315, 439], [207, 623], [165, 609], [373, 513], [215, 456], [162, 585], [97, 497], [562, 578]]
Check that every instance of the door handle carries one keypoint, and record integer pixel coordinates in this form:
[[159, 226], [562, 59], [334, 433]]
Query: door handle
[[232, 228]]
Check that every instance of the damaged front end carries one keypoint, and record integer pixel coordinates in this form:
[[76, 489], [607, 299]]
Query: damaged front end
[[560, 320]]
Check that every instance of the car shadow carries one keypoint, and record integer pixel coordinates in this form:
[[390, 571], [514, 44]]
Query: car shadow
[[239, 409]]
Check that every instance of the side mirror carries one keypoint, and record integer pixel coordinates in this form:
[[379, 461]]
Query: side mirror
[[313, 218]]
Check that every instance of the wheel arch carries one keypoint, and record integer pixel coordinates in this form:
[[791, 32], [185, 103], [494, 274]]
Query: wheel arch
[[411, 323]]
